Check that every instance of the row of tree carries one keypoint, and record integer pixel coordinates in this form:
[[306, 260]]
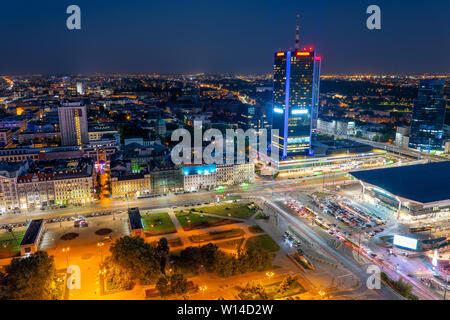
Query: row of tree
[[30, 278], [216, 261], [132, 259]]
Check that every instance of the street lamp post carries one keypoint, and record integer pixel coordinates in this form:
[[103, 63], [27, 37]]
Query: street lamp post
[[100, 246]]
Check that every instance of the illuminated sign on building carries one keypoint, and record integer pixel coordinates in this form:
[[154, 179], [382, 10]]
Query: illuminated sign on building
[[405, 242], [200, 169]]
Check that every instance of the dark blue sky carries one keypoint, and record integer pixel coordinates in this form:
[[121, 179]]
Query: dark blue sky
[[221, 36]]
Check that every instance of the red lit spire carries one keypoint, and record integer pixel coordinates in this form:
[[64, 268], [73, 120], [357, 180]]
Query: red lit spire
[[297, 33]]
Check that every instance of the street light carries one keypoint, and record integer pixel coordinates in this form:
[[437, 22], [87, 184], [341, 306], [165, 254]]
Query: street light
[[322, 294], [270, 274], [203, 288], [100, 245]]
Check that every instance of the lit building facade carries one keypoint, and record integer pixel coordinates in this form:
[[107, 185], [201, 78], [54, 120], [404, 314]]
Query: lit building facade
[[209, 176], [131, 186], [229, 174], [295, 100], [32, 184], [199, 177], [73, 124], [427, 122]]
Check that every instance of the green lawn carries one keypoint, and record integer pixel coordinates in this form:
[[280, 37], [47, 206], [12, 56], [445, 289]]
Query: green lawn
[[262, 241], [241, 211], [231, 244], [217, 235], [158, 223], [7, 243], [195, 220], [255, 229]]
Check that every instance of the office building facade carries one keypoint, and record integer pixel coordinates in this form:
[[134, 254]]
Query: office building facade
[[427, 122], [295, 100], [73, 124]]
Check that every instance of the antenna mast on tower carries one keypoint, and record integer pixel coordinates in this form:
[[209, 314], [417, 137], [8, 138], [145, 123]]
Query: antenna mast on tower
[[297, 34]]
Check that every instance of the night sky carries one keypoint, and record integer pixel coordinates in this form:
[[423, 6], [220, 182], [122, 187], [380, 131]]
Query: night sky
[[239, 36]]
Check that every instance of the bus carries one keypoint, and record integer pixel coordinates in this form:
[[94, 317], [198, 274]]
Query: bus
[[420, 229]]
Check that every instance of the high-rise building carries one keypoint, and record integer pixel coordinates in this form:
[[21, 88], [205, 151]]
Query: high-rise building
[[427, 122], [296, 77], [73, 124], [254, 117], [80, 88]]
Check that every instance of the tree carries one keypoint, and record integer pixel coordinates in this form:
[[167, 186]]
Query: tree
[[358, 134], [286, 283], [190, 259], [162, 251], [209, 256], [30, 278], [163, 286], [178, 284], [137, 257], [116, 277]]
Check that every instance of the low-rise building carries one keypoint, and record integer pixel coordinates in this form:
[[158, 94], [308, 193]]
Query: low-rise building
[[31, 184], [131, 185], [198, 177], [229, 174], [166, 179]]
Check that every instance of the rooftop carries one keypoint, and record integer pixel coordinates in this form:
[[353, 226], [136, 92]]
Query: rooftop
[[32, 232], [135, 219], [422, 183]]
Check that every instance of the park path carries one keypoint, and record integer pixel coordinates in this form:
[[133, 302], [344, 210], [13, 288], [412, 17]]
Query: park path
[[180, 231]]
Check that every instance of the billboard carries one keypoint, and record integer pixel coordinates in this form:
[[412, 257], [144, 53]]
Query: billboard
[[405, 242]]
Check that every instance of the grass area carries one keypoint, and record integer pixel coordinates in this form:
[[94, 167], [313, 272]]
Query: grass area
[[158, 223], [231, 244], [400, 286], [217, 235], [8, 246], [281, 289], [261, 216], [294, 289], [191, 221], [262, 241], [241, 211], [255, 229]]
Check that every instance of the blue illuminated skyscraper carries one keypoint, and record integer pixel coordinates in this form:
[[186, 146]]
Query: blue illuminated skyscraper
[[427, 122], [296, 78]]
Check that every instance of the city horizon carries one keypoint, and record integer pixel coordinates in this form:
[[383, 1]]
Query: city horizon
[[230, 155], [187, 37]]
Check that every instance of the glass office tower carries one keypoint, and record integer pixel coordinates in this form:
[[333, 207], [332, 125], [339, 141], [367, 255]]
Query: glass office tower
[[295, 100], [427, 122]]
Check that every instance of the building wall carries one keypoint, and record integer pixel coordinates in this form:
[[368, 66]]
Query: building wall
[[74, 190], [131, 187], [229, 174], [36, 193], [73, 125], [8, 189]]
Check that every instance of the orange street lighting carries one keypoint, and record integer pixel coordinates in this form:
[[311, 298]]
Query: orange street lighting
[[203, 288], [322, 293], [66, 251], [100, 245], [270, 274]]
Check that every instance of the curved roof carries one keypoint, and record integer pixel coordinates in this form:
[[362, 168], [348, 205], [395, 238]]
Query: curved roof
[[423, 183]]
